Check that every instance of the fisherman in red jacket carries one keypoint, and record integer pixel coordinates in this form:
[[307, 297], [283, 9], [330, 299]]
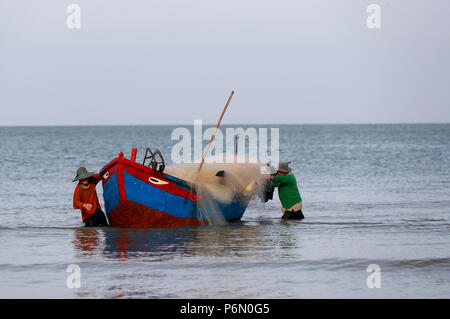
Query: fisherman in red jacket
[[85, 198]]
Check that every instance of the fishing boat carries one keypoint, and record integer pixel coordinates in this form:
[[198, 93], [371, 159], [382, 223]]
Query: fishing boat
[[140, 195]]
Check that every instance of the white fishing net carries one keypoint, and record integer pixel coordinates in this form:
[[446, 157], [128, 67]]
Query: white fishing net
[[238, 180]]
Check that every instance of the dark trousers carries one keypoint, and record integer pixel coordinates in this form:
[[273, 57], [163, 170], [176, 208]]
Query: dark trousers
[[97, 219], [290, 214]]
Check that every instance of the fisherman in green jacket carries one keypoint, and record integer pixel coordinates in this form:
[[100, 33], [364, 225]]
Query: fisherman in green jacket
[[287, 191]]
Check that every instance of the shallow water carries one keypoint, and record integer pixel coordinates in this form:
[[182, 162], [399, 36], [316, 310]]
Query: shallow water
[[373, 194]]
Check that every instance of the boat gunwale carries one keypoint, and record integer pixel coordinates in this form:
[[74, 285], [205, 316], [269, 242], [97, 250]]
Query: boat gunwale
[[173, 179]]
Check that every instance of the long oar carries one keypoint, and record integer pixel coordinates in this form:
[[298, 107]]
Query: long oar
[[214, 133]]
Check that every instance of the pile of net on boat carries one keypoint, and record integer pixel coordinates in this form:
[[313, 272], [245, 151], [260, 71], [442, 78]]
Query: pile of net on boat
[[220, 182]]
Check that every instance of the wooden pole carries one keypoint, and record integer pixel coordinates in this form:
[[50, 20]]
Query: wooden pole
[[215, 130]]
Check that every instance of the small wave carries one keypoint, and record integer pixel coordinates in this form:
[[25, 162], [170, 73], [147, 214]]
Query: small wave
[[345, 223], [386, 264], [40, 227], [333, 264], [435, 225], [425, 220], [443, 262]]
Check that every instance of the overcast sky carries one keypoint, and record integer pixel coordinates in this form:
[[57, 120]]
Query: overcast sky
[[173, 61]]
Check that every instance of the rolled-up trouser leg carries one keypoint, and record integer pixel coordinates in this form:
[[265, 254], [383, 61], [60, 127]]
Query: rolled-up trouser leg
[[290, 214], [97, 219]]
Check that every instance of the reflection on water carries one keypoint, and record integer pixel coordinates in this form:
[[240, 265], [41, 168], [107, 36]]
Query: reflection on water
[[181, 262], [128, 243], [86, 241], [156, 243], [232, 240]]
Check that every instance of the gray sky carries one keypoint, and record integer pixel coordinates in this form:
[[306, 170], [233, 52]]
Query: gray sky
[[173, 61]]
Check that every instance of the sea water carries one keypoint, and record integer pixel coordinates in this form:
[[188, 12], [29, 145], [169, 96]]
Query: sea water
[[372, 195]]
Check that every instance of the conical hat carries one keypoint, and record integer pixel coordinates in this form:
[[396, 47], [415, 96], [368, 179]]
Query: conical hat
[[284, 167], [82, 173]]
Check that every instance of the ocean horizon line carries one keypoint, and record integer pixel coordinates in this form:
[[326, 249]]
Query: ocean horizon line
[[230, 124]]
